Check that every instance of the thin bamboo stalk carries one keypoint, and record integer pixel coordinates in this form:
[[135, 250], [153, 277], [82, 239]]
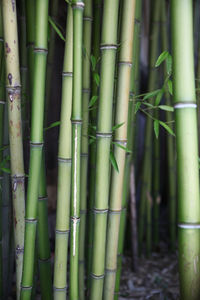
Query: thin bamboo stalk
[[145, 199], [187, 149], [134, 89], [87, 38], [96, 35], [78, 7], [170, 144], [64, 169], [104, 135], [13, 88], [120, 139], [36, 145]]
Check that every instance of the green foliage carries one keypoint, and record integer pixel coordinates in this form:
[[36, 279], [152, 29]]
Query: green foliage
[[93, 101], [156, 128], [113, 161], [56, 28], [54, 124]]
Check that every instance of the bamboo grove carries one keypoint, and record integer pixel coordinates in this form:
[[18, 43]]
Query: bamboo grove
[[127, 143]]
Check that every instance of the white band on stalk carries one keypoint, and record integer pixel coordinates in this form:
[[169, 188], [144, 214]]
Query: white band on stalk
[[108, 47], [103, 135], [127, 63], [78, 4], [189, 226], [185, 105], [2, 102], [87, 19]]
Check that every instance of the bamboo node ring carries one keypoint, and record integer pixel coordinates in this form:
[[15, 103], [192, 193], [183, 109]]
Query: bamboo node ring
[[100, 211], [60, 289], [103, 135], [67, 74], [78, 5], [185, 105], [97, 276], [108, 47], [126, 63], [189, 226]]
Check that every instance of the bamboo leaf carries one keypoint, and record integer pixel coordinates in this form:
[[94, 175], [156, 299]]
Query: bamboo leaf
[[55, 27], [161, 58], [122, 147], [170, 86], [113, 161], [96, 78], [167, 128], [54, 124], [137, 107], [156, 128], [93, 62], [166, 107], [169, 64], [159, 97], [93, 101], [117, 126], [151, 94], [148, 104], [6, 170]]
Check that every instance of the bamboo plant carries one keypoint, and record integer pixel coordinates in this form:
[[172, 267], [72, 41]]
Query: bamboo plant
[[87, 38], [187, 148], [13, 89], [64, 169], [120, 142], [36, 145], [103, 135], [76, 118], [145, 198]]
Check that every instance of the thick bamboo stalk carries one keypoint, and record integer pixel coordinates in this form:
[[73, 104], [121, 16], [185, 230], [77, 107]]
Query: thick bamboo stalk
[[78, 7], [170, 144], [96, 34], [103, 135], [145, 199], [36, 145], [64, 169], [87, 38], [13, 88], [120, 139], [187, 149]]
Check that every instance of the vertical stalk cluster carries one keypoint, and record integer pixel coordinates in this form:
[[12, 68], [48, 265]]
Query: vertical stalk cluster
[[103, 136], [36, 145], [64, 169], [120, 139], [76, 118], [187, 149], [13, 91]]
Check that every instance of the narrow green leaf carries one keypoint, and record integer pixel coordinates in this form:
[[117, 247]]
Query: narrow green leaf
[[166, 107], [122, 147], [117, 126], [159, 97], [151, 94], [54, 124], [170, 86], [161, 58], [6, 170], [113, 161], [148, 104], [156, 128], [93, 62], [167, 128], [93, 101], [55, 27], [96, 78], [137, 106]]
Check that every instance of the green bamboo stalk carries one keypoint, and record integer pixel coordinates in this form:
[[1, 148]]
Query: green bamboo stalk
[[134, 89], [87, 38], [64, 169], [96, 34], [120, 139], [170, 144], [145, 199], [30, 39], [36, 145], [76, 119], [187, 149], [104, 135], [13, 88]]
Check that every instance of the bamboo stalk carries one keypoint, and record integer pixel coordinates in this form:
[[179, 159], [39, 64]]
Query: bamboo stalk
[[36, 145], [13, 88], [103, 135], [170, 145], [76, 119], [187, 149], [120, 139], [64, 169], [134, 89], [87, 38], [96, 35], [145, 202]]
